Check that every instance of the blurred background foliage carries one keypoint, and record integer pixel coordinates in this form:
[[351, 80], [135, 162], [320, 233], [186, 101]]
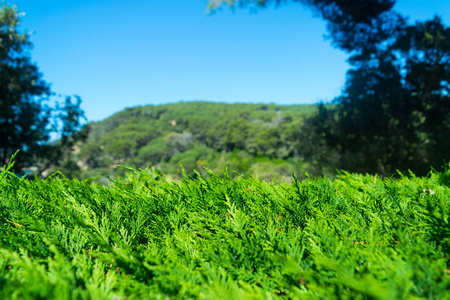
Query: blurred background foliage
[[257, 138], [393, 113]]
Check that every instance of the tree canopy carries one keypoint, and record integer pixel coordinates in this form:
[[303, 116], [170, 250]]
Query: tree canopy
[[26, 118], [395, 106], [23, 118], [353, 26], [394, 110]]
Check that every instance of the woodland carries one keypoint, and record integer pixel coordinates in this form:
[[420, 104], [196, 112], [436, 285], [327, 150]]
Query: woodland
[[393, 113]]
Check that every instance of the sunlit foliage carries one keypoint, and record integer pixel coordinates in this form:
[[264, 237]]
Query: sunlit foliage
[[196, 134], [213, 237]]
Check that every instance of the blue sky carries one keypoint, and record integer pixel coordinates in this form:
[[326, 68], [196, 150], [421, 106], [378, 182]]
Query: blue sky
[[117, 53]]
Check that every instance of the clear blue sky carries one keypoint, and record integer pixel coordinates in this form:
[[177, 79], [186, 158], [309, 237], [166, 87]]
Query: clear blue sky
[[117, 53]]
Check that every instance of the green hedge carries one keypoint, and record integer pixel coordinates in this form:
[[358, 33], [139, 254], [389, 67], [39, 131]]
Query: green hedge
[[142, 237]]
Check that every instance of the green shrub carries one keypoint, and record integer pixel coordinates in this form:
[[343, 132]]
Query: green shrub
[[213, 237]]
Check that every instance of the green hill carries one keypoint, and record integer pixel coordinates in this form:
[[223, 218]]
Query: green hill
[[263, 139]]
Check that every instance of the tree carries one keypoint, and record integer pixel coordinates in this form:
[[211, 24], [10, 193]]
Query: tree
[[423, 56], [26, 119], [66, 119], [23, 117], [394, 112]]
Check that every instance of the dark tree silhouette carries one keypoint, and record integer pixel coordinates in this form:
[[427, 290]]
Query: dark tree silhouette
[[394, 112], [23, 116], [26, 119], [352, 25]]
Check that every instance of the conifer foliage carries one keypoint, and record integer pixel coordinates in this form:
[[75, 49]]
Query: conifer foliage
[[215, 237]]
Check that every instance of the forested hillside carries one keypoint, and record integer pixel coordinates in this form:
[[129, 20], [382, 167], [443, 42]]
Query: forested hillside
[[256, 138]]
